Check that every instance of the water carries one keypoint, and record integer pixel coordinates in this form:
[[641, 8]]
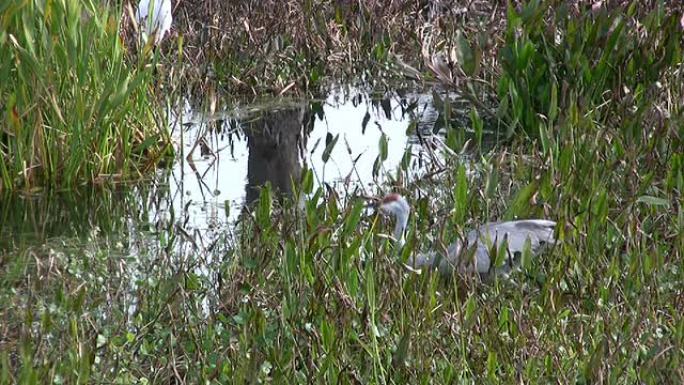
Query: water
[[225, 157], [244, 149], [183, 219]]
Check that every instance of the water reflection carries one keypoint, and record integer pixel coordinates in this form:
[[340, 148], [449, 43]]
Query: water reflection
[[273, 142], [225, 157], [276, 141], [181, 223], [34, 219]]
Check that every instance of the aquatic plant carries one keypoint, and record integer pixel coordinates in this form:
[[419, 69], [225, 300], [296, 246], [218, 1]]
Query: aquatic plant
[[73, 110], [608, 62]]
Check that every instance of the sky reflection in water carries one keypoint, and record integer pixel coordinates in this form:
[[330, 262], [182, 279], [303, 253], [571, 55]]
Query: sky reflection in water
[[274, 144], [243, 149]]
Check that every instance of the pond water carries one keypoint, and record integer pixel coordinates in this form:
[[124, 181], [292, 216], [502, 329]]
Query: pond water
[[352, 142], [183, 219], [338, 139]]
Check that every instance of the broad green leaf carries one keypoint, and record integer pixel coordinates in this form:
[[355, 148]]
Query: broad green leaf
[[354, 217], [307, 181], [653, 201], [521, 202], [478, 126], [460, 195], [383, 146], [263, 214]]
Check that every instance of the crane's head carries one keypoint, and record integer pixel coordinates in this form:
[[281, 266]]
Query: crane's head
[[395, 205]]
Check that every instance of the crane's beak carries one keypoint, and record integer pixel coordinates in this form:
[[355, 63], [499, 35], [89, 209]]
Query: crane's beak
[[371, 209], [375, 207]]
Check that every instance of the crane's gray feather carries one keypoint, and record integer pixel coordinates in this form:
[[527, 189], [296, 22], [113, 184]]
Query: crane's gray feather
[[475, 256]]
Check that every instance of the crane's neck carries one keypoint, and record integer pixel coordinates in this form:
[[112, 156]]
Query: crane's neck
[[400, 226]]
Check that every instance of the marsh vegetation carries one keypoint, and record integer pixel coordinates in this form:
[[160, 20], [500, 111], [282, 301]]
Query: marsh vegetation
[[530, 109]]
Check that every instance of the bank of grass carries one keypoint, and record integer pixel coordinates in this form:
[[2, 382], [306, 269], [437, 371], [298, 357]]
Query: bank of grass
[[319, 296], [73, 110]]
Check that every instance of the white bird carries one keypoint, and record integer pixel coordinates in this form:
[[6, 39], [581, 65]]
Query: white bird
[[474, 255], [154, 18]]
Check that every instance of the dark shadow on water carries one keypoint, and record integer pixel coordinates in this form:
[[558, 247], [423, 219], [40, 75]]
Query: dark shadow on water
[[29, 220], [277, 141], [33, 219]]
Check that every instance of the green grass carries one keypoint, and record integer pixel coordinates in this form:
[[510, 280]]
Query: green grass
[[317, 294], [74, 110], [610, 65]]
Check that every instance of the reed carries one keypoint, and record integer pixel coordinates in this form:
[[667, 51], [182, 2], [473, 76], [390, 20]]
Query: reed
[[73, 110]]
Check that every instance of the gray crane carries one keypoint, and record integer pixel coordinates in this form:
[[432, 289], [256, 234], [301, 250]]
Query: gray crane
[[472, 252]]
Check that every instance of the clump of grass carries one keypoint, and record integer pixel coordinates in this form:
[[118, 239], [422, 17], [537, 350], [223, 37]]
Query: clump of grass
[[610, 62], [73, 111]]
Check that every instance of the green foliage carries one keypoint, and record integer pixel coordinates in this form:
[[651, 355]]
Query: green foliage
[[312, 293], [559, 64], [73, 111]]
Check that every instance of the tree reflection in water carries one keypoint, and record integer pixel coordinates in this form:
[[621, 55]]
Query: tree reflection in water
[[276, 140]]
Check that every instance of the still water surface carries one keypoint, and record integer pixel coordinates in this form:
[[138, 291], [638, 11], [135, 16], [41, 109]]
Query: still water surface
[[247, 147], [225, 157]]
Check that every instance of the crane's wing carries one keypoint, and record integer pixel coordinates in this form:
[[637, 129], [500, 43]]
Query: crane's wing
[[514, 234], [474, 255]]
